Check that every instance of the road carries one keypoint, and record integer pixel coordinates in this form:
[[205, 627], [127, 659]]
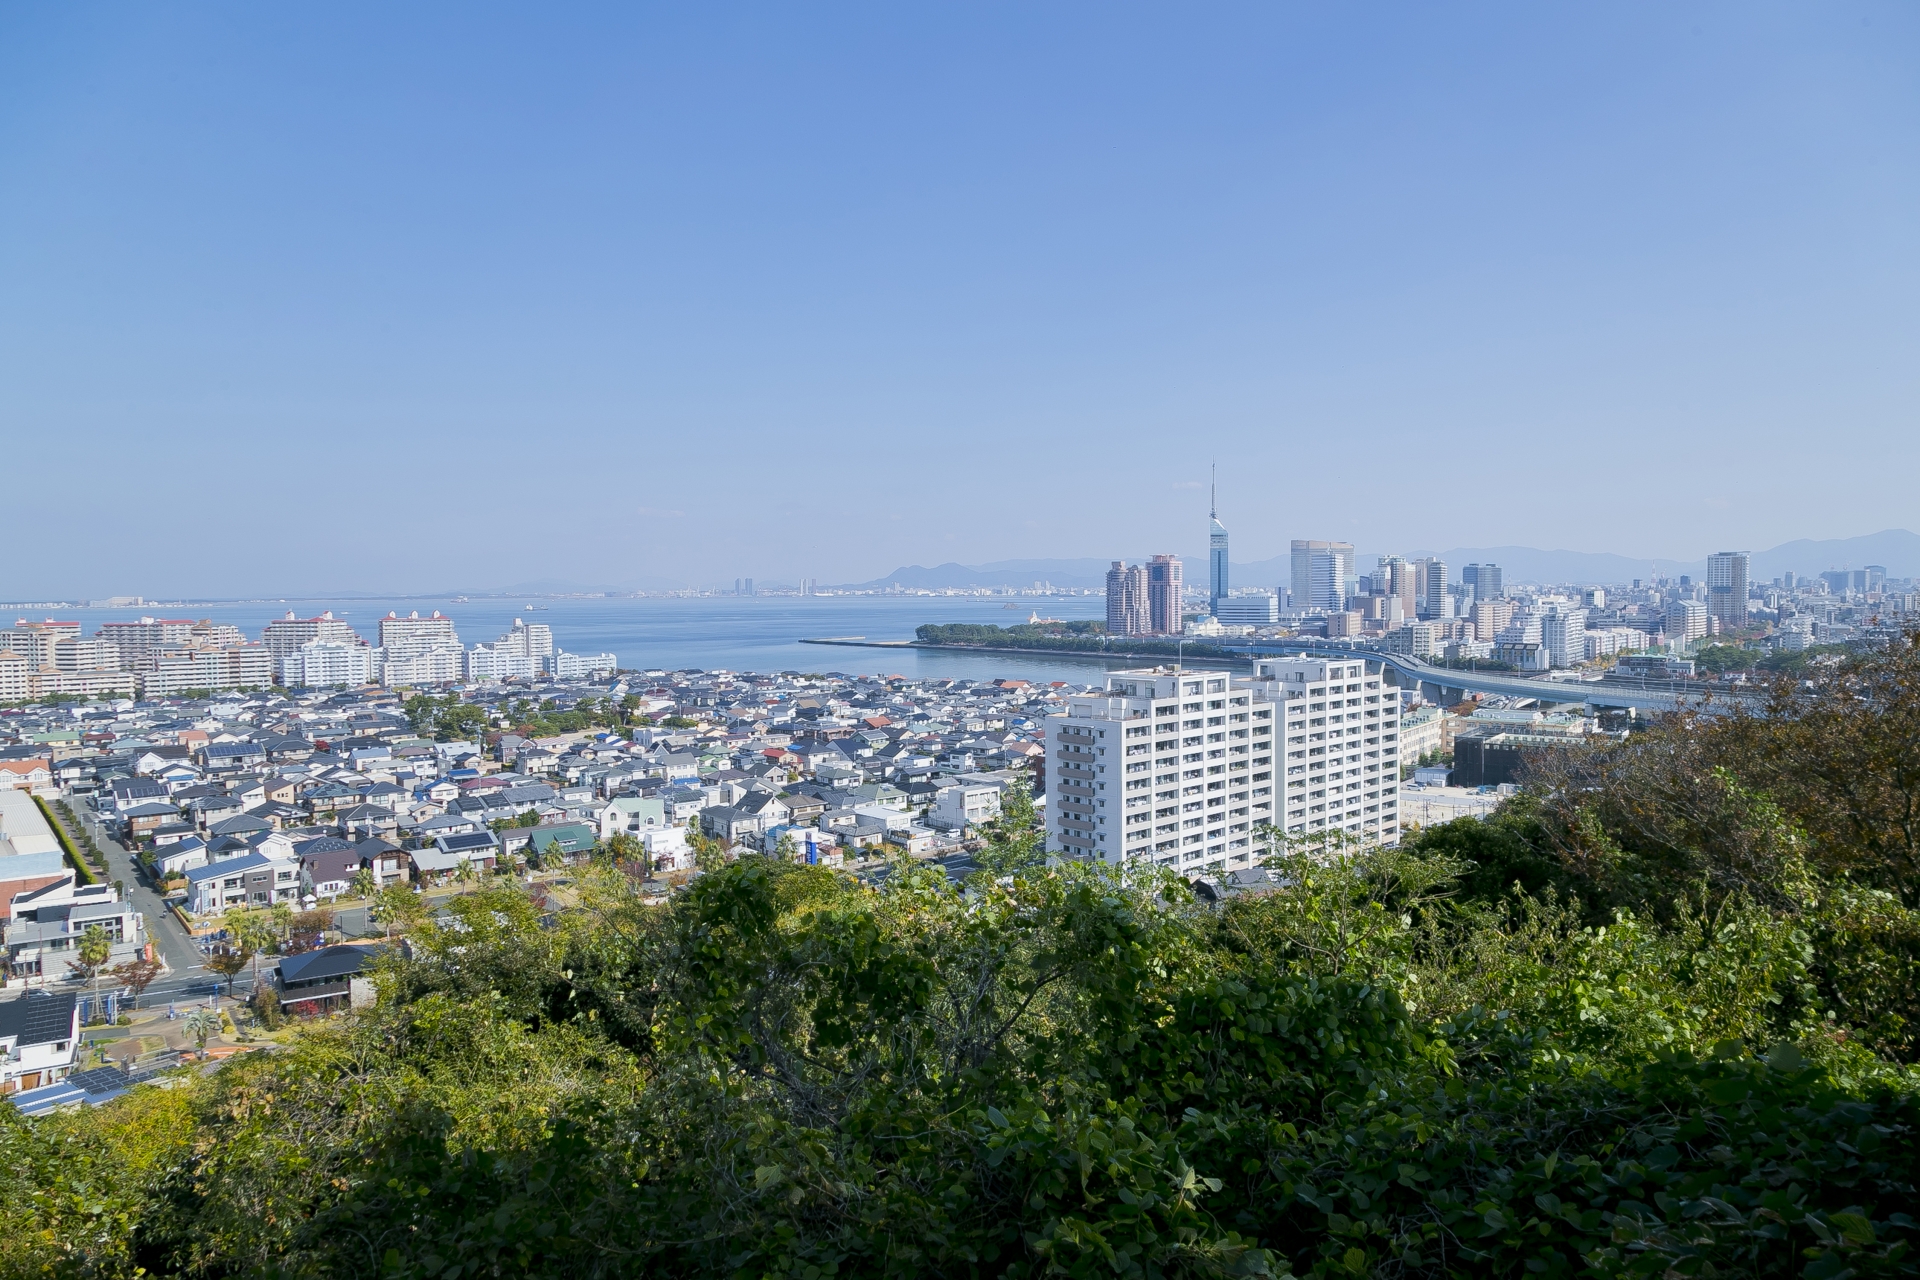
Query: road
[[169, 937], [1604, 694]]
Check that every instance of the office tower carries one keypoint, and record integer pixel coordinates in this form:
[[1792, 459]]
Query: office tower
[[415, 634], [1164, 595], [1166, 766], [1876, 576], [1727, 588], [1485, 580], [1216, 554], [1397, 578], [1256, 609], [285, 635], [1323, 573], [1127, 612], [1564, 633], [1686, 621], [1438, 602]]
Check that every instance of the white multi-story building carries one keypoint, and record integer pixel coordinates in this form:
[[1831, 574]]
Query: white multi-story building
[[440, 665], [964, 805], [78, 654], [1253, 609], [583, 666], [1564, 633], [35, 641], [285, 635], [1727, 588], [140, 640], [15, 675], [320, 664], [415, 634], [1418, 639], [1686, 621], [1169, 766], [528, 639], [1340, 725], [502, 662], [247, 666]]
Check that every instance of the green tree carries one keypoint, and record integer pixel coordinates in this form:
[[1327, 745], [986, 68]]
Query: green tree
[[1015, 841], [254, 930], [398, 908], [365, 883], [623, 849], [203, 1024], [91, 954]]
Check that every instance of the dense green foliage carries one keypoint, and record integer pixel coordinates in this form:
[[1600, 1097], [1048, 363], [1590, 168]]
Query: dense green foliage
[[447, 718], [1719, 658], [1653, 1018], [1087, 637]]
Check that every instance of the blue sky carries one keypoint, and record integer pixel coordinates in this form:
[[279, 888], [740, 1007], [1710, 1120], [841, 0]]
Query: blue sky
[[407, 297]]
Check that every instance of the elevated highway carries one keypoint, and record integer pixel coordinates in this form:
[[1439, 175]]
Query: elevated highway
[[1446, 685]]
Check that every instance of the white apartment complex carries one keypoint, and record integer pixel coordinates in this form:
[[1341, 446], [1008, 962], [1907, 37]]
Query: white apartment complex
[[584, 666], [284, 636], [421, 650], [1686, 621], [320, 664], [1171, 766], [1340, 721], [241, 666]]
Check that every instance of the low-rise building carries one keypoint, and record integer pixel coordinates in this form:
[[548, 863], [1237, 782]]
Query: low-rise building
[[39, 1039]]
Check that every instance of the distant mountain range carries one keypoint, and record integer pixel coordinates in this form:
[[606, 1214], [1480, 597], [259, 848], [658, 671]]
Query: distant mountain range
[[1897, 550]]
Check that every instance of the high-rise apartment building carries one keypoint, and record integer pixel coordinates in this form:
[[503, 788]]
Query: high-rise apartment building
[[1216, 558], [1727, 588], [415, 634], [79, 654], [419, 651], [284, 636], [140, 640], [1485, 579], [1564, 633], [1489, 617], [1339, 721], [528, 639], [1165, 595], [175, 672], [1323, 574], [321, 664], [1164, 765], [1127, 612], [35, 641], [1686, 621]]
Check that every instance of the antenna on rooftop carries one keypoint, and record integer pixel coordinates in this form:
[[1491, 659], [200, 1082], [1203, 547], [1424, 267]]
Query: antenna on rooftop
[[1213, 493]]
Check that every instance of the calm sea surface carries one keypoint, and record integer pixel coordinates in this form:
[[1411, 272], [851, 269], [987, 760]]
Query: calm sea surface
[[734, 633]]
